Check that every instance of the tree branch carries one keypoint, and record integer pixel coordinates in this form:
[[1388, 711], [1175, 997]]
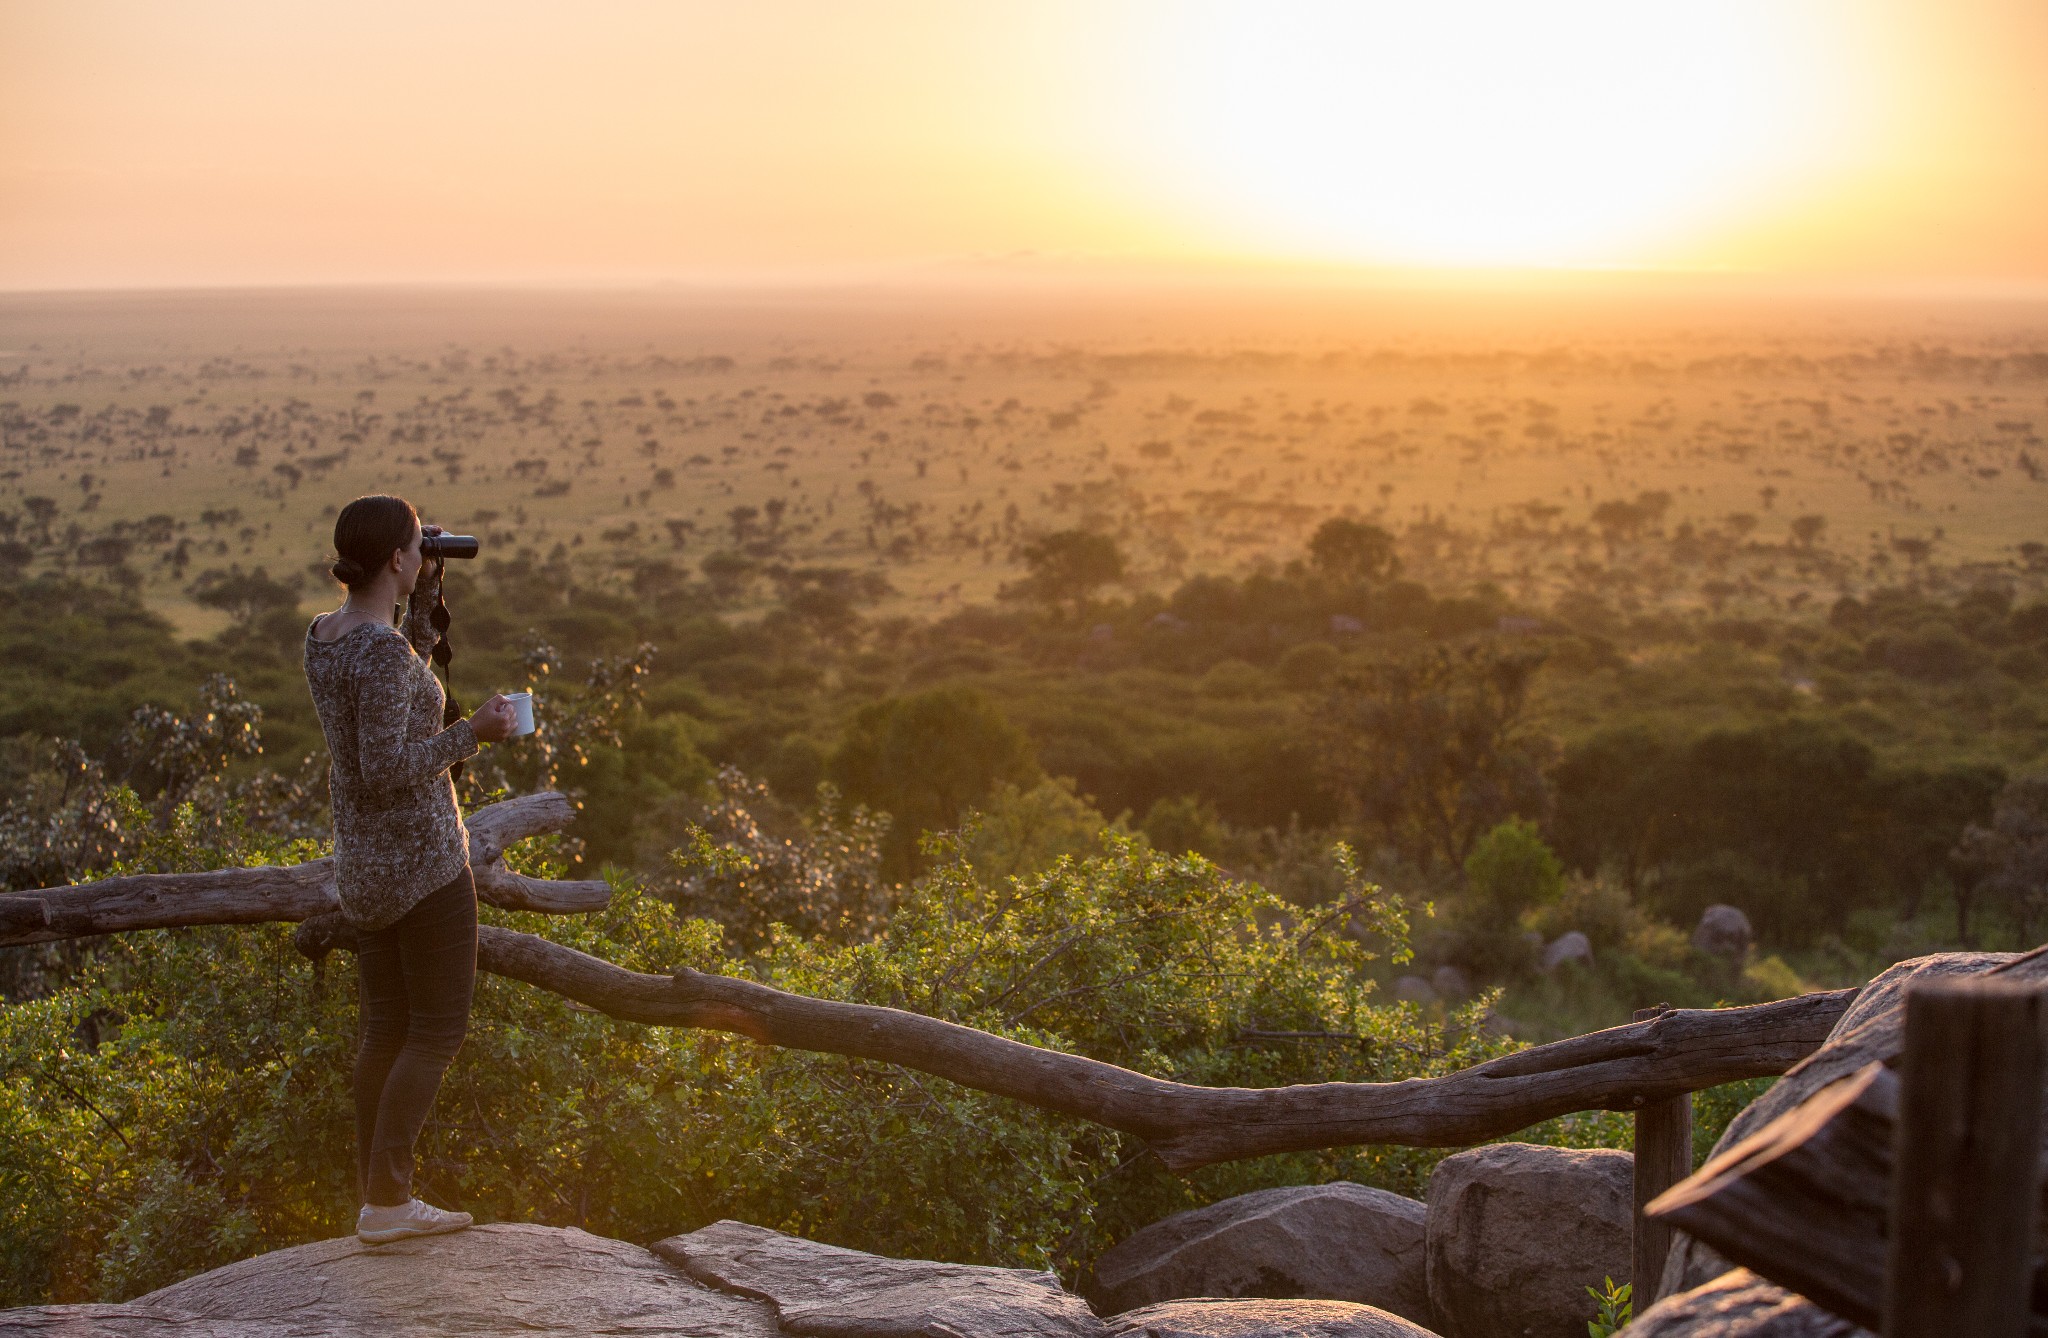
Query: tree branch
[[290, 892], [1622, 1068]]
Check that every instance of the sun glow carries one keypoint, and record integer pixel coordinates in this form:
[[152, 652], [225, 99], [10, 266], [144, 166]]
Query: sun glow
[[1487, 134]]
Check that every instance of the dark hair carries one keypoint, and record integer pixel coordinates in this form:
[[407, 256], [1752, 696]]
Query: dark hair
[[367, 532]]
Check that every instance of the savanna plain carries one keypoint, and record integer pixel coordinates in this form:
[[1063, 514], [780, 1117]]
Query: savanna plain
[[1247, 688]]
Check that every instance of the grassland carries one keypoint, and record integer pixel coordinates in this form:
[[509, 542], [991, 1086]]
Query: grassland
[[1734, 458]]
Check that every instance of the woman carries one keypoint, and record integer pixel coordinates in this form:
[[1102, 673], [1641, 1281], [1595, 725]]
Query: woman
[[401, 856]]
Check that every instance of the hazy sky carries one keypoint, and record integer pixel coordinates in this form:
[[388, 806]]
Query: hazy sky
[[211, 142]]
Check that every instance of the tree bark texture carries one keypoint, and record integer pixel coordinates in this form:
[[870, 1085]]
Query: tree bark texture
[[1966, 1181], [1663, 1158], [291, 892], [1622, 1068], [1805, 1200]]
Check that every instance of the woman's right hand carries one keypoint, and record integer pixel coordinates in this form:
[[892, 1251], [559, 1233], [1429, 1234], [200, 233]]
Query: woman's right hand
[[495, 720]]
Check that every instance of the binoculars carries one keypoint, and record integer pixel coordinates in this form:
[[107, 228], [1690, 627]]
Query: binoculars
[[441, 547]]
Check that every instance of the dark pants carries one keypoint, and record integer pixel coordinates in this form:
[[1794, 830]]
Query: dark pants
[[414, 982]]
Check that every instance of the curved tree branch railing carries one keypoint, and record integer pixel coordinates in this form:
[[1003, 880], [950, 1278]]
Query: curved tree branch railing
[[291, 892], [1622, 1068]]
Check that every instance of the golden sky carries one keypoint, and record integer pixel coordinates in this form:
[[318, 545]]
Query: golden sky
[[229, 142]]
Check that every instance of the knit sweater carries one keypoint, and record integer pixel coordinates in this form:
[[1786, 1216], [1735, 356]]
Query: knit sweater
[[397, 832]]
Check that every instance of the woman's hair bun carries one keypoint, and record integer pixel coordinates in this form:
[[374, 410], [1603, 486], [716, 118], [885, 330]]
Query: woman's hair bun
[[367, 532]]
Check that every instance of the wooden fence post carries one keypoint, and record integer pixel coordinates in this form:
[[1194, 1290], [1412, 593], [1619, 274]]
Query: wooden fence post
[[1663, 1158], [1964, 1177]]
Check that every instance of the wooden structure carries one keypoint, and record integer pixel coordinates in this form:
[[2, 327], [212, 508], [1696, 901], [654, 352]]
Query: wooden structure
[[1663, 1158], [1909, 1201]]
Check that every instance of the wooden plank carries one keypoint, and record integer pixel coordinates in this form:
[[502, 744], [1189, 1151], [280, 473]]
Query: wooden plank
[[1805, 1201], [1663, 1158], [1965, 1182], [1802, 1201]]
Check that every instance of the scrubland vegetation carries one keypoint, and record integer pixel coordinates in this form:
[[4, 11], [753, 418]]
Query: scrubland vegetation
[[1030, 685]]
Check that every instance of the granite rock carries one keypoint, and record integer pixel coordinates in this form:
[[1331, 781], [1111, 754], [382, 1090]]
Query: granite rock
[[1335, 1242], [1263, 1319], [1517, 1232], [824, 1291], [1740, 1304], [509, 1278]]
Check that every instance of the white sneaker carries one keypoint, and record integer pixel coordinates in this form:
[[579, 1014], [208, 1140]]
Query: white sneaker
[[380, 1226]]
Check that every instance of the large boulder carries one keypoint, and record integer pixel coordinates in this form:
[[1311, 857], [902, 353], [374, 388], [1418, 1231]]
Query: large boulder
[[1263, 1319], [824, 1291], [1516, 1233], [1740, 1304], [1723, 931], [509, 1278], [1872, 1030], [1335, 1242], [1570, 946]]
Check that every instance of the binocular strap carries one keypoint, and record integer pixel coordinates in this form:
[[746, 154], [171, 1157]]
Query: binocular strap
[[443, 654]]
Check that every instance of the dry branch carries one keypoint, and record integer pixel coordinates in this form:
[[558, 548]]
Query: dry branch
[[289, 892], [1622, 1068]]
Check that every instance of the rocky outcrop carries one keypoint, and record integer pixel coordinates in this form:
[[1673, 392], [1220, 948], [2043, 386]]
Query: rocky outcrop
[[1517, 1232], [1263, 1319], [1873, 1029], [1723, 931], [1335, 1242], [1741, 1305], [509, 1278], [729, 1280], [823, 1291]]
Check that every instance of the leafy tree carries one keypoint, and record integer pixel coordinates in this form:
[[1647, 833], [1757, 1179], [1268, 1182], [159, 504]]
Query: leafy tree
[[2008, 856], [1067, 566], [247, 595], [1352, 552], [1615, 795], [1019, 832], [1512, 871], [825, 880], [1433, 748], [926, 759], [208, 1117]]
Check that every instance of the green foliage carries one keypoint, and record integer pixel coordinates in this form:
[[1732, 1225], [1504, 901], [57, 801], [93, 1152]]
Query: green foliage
[[1067, 566], [823, 880], [246, 595], [1353, 552], [926, 759], [1512, 871], [1022, 832], [1433, 749], [1792, 820], [1186, 822], [1617, 1308]]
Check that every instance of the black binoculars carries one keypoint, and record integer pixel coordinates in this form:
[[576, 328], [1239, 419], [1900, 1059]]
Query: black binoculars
[[441, 547]]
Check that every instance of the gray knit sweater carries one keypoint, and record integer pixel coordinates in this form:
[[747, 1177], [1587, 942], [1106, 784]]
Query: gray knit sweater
[[397, 832]]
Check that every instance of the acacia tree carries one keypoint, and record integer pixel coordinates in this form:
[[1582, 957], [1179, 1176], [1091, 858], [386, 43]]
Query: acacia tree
[[1067, 566], [926, 759], [1431, 750], [1353, 553], [2008, 857]]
